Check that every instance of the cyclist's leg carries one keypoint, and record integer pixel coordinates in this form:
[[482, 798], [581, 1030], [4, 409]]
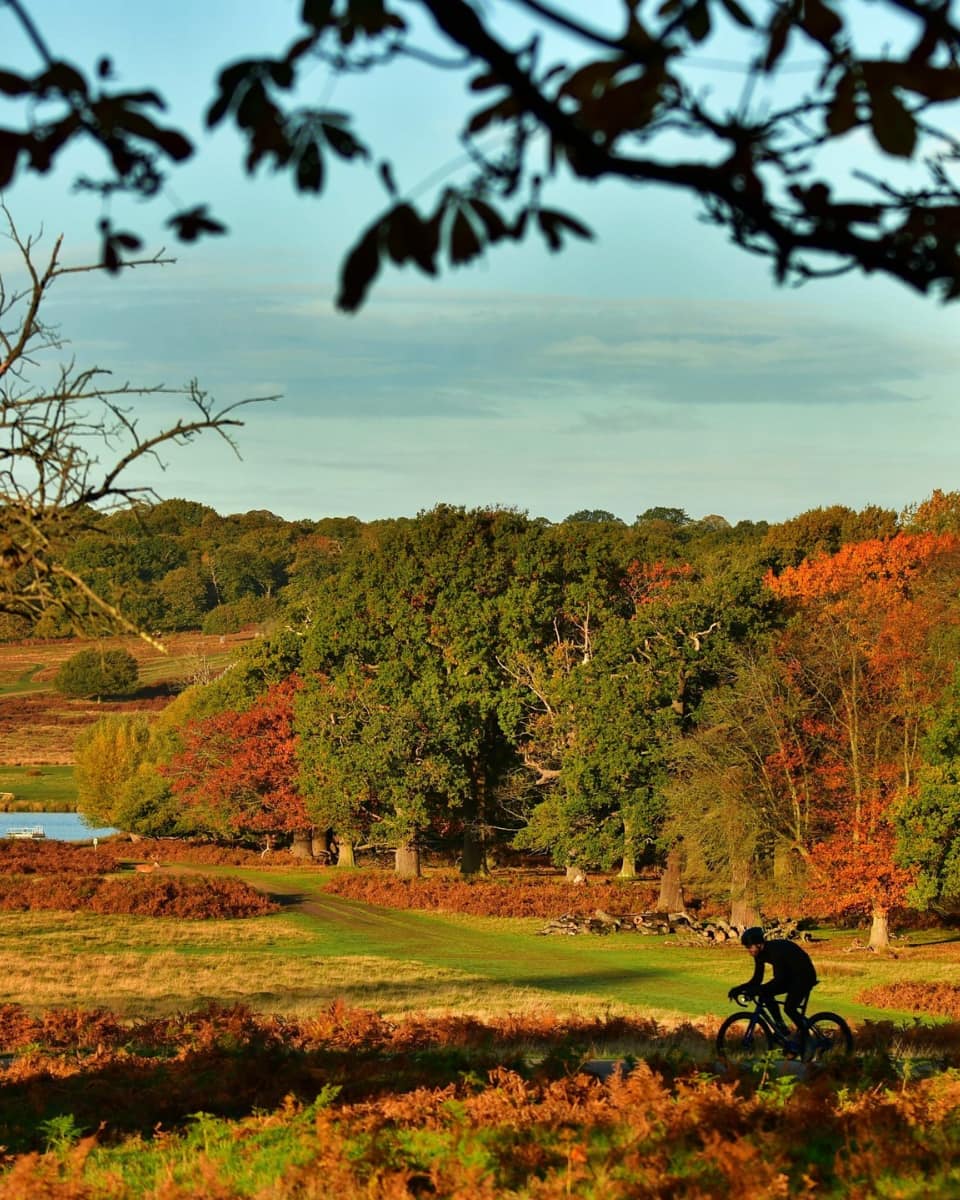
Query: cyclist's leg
[[767, 993], [794, 1005]]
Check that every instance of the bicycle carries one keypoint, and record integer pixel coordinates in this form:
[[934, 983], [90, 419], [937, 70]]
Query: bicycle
[[749, 1036]]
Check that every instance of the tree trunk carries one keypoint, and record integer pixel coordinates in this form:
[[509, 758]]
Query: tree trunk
[[743, 905], [880, 929], [473, 859], [671, 884], [628, 869], [302, 845], [346, 856], [408, 862]]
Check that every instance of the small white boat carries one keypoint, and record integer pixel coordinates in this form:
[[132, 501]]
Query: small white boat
[[30, 833]]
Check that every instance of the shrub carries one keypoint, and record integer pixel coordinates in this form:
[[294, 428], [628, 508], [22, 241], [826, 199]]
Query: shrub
[[930, 999], [97, 673], [233, 617], [493, 898], [195, 898]]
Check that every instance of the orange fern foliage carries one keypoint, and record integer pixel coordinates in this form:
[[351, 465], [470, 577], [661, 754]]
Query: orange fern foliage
[[493, 898], [452, 1108], [934, 999], [193, 898]]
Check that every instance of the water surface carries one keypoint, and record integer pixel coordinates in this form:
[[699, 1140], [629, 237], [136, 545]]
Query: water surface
[[61, 826]]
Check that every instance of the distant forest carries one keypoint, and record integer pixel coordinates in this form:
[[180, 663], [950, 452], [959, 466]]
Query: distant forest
[[179, 565], [767, 712]]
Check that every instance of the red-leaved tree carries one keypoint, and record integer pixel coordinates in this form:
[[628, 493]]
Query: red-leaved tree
[[238, 770], [866, 647]]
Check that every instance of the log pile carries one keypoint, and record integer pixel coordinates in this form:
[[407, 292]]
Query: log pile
[[712, 929]]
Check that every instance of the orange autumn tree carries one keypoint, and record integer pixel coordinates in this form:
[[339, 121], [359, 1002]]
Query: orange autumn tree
[[238, 771], [866, 646]]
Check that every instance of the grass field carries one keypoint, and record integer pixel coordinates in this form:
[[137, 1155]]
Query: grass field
[[39, 789], [308, 1096], [39, 727], [322, 948]]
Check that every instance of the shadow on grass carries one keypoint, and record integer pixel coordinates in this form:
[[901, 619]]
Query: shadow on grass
[[287, 899]]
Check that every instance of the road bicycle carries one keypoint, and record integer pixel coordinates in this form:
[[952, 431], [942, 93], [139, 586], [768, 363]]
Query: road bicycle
[[747, 1036]]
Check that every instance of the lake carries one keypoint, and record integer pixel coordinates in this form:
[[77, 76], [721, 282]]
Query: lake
[[61, 826]]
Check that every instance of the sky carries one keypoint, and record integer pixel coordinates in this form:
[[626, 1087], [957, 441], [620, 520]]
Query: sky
[[654, 366]]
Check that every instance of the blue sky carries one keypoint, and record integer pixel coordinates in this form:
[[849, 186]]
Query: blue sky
[[654, 366]]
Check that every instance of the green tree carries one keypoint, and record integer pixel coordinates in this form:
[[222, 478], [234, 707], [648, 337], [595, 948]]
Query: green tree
[[594, 515], [423, 613], [616, 690], [98, 673], [107, 756], [740, 794], [616, 95], [822, 531], [928, 818], [186, 598]]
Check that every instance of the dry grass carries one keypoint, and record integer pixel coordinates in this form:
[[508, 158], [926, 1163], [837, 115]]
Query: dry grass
[[38, 726], [54, 960]]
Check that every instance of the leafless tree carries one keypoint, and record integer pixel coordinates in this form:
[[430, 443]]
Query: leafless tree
[[71, 438]]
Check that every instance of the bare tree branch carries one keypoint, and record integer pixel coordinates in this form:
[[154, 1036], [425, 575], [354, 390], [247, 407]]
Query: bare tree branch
[[54, 474]]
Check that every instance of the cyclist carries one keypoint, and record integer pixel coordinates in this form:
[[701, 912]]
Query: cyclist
[[793, 976]]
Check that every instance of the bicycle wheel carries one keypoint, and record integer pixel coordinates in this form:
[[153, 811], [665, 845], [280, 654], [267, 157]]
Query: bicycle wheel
[[828, 1038], [742, 1038]]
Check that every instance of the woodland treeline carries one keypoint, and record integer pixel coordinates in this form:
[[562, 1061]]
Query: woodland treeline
[[769, 713]]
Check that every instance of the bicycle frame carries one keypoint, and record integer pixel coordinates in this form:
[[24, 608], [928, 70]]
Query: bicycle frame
[[822, 1033], [762, 1016]]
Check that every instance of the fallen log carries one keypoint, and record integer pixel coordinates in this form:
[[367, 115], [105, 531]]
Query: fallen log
[[714, 930]]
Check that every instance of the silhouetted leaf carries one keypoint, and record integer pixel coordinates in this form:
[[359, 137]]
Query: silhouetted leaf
[[360, 269], [386, 175], [739, 14], [60, 77], [192, 223], [484, 81], [819, 21], [503, 110], [317, 13], [113, 243], [10, 146], [591, 80], [409, 238], [310, 169], [42, 150], [842, 111], [171, 141], [936, 83], [342, 141], [464, 243], [493, 224], [553, 224], [698, 21], [893, 127], [779, 35]]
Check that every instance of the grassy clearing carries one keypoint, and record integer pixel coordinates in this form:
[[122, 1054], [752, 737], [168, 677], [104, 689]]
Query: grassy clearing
[[39, 789], [398, 963]]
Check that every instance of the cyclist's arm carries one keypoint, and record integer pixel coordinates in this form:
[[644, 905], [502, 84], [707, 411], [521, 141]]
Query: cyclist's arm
[[754, 982]]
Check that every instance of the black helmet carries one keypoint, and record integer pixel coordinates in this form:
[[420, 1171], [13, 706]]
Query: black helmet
[[752, 937]]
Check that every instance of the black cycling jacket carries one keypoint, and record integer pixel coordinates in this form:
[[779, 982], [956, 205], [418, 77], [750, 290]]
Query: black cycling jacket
[[792, 966]]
